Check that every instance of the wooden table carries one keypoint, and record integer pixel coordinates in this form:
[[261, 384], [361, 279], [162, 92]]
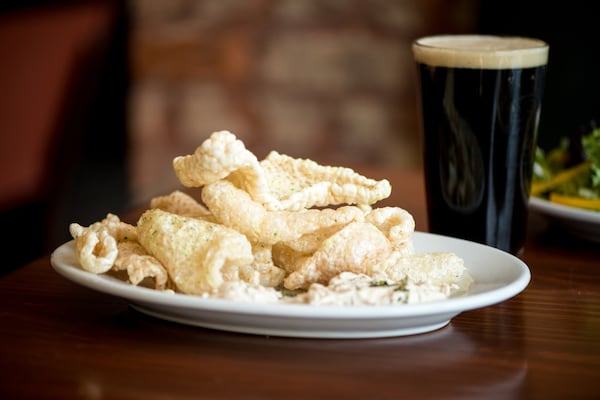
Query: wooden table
[[60, 340]]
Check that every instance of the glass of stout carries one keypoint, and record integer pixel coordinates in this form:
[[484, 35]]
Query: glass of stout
[[480, 100]]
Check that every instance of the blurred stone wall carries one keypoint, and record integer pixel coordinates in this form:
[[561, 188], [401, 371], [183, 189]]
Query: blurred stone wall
[[331, 80]]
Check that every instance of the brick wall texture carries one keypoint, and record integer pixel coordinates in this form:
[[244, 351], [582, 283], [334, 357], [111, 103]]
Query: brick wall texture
[[331, 80]]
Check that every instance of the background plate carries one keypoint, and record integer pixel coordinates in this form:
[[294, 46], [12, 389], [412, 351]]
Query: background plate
[[578, 222]]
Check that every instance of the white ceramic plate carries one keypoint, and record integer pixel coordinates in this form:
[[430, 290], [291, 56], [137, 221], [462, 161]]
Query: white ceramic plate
[[578, 222], [498, 276]]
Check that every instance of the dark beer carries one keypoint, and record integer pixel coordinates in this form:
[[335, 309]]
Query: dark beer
[[480, 113]]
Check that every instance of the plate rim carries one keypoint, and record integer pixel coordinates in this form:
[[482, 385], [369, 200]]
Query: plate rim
[[562, 211], [578, 222]]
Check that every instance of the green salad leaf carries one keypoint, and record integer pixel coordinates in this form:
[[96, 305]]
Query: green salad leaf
[[567, 175], [591, 147]]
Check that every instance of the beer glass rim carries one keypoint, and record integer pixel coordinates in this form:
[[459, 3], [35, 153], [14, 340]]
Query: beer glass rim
[[481, 51]]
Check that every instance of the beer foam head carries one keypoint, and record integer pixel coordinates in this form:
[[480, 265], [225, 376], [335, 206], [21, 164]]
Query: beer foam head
[[480, 51]]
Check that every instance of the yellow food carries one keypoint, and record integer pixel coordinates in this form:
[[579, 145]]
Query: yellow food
[[579, 202], [539, 187]]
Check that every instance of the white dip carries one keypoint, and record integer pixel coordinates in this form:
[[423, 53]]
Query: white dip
[[345, 289]]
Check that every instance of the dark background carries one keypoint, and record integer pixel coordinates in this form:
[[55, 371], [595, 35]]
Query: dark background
[[571, 97]]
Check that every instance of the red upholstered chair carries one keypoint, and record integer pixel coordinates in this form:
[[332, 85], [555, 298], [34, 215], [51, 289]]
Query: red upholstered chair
[[51, 58]]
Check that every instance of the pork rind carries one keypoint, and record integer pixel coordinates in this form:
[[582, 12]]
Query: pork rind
[[134, 259], [198, 255], [360, 249], [96, 249], [397, 224], [298, 183], [278, 182], [265, 271], [111, 244], [439, 268], [178, 202], [96, 245], [218, 157], [320, 255], [234, 208], [357, 248]]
